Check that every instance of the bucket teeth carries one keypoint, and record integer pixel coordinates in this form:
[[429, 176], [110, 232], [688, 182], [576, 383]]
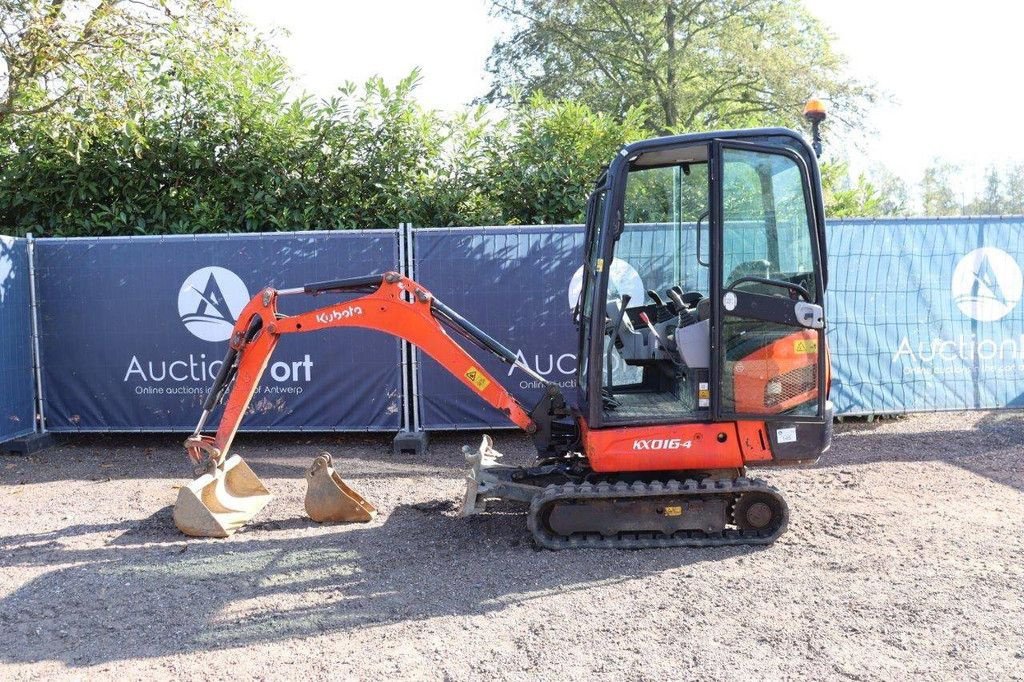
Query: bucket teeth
[[220, 501], [328, 498]]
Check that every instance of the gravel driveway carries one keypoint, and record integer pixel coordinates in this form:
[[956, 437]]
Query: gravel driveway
[[903, 557]]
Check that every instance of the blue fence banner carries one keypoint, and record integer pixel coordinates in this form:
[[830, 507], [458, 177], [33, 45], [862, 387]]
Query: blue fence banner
[[512, 282], [925, 314], [133, 330], [17, 381]]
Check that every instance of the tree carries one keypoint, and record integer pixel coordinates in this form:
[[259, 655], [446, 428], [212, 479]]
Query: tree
[[690, 64], [86, 54], [847, 197], [938, 197], [1014, 190], [544, 163], [991, 201], [894, 199]]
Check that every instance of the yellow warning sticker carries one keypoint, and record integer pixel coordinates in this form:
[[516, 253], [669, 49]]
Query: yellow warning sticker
[[704, 393], [477, 378], [673, 511], [600, 265], [805, 347]]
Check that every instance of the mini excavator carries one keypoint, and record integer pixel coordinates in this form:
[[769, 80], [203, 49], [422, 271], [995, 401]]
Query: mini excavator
[[721, 364]]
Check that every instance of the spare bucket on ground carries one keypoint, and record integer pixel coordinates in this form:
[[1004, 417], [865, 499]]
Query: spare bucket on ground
[[328, 498]]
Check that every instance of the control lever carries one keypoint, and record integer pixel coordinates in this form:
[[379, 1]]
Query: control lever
[[615, 337], [646, 320], [654, 296], [676, 294]]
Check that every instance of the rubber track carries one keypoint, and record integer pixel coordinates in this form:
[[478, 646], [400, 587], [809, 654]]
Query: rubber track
[[689, 489]]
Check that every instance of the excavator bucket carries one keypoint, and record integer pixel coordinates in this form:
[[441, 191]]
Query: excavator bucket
[[328, 498], [220, 501]]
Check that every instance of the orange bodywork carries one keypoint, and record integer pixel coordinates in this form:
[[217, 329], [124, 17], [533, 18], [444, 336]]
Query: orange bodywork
[[400, 307], [778, 377], [675, 447]]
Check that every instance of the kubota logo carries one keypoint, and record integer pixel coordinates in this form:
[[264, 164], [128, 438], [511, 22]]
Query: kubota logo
[[987, 284], [209, 302], [335, 315], [661, 444]]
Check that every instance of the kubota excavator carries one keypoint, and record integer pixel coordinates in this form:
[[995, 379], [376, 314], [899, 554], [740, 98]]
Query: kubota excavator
[[701, 351]]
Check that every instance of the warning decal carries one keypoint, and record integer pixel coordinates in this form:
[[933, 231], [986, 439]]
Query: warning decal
[[805, 347], [477, 378]]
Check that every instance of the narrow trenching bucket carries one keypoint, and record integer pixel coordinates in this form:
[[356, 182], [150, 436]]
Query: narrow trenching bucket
[[220, 501], [328, 498]]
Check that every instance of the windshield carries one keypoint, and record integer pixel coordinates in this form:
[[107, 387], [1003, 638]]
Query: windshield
[[766, 230]]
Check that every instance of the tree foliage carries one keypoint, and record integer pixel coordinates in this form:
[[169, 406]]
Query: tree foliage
[[169, 116], [690, 64], [938, 196], [849, 196], [89, 55], [218, 146]]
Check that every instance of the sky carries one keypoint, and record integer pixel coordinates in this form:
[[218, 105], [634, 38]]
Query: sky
[[948, 68]]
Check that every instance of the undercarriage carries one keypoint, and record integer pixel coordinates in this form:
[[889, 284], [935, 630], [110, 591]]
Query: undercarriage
[[571, 506]]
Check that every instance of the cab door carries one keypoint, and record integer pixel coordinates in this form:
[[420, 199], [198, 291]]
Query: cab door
[[768, 361]]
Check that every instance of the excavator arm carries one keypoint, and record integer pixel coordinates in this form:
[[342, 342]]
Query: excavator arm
[[391, 303]]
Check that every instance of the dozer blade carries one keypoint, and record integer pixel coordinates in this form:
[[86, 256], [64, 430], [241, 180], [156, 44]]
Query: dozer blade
[[220, 501], [488, 480], [328, 498]]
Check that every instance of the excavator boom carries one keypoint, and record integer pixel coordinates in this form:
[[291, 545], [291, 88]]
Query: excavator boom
[[225, 497]]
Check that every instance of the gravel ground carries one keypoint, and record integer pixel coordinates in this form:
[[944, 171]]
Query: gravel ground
[[903, 557]]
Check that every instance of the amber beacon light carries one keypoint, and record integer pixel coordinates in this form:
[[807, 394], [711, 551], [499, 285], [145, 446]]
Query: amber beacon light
[[814, 111]]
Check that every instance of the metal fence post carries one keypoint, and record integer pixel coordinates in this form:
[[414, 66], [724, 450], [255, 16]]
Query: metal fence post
[[415, 354], [406, 388], [40, 426], [410, 438]]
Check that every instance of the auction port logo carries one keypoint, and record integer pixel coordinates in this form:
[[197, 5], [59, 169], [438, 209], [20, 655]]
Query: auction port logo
[[622, 279], [210, 301], [987, 284]]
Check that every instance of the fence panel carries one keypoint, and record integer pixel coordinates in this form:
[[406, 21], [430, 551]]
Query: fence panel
[[512, 282], [133, 330], [925, 314], [17, 383]]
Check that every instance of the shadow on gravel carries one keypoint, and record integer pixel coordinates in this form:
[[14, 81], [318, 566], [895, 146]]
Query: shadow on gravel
[[149, 593], [275, 455], [992, 448]]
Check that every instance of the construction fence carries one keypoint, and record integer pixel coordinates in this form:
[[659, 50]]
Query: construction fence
[[17, 376], [924, 315]]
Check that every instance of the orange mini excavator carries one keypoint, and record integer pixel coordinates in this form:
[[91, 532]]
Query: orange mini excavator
[[701, 351]]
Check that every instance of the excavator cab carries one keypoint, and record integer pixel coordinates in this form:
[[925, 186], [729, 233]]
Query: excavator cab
[[703, 295]]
